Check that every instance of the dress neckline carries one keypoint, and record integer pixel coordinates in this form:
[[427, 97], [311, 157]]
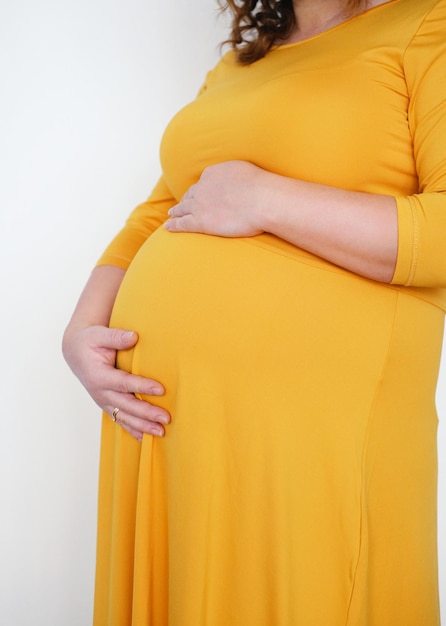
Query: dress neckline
[[336, 27]]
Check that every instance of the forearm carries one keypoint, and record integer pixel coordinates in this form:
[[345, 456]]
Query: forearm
[[97, 299], [357, 231]]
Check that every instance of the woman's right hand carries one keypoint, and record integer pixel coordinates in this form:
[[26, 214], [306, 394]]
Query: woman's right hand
[[91, 351]]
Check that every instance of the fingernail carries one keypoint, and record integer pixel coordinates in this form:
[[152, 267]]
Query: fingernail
[[158, 432], [163, 419]]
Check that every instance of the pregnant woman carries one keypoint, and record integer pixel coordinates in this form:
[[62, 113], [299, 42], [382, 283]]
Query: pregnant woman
[[264, 334]]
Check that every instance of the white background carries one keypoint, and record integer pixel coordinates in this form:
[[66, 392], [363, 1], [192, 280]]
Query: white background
[[87, 87]]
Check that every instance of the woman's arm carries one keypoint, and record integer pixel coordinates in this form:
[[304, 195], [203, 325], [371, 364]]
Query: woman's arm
[[357, 231], [90, 348]]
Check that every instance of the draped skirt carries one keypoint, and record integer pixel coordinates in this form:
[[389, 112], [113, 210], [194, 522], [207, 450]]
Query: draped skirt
[[296, 484]]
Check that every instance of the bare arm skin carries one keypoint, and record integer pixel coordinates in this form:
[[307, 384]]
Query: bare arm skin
[[90, 348], [357, 231]]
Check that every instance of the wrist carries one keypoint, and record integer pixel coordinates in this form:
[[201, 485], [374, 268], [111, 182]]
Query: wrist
[[277, 199]]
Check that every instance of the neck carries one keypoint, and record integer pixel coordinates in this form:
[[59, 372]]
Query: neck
[[316, 16]]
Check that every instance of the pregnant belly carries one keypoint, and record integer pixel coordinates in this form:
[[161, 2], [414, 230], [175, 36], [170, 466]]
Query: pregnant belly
[[250, 303], [267, 350]]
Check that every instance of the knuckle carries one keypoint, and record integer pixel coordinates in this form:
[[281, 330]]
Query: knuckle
[[182, 226], [115, 336], [124, 382]]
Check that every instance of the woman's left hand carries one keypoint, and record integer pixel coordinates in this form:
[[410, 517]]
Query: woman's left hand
[[227, 201]]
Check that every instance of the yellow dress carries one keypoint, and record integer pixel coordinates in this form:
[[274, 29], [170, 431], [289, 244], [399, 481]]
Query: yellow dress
[[296, 485]]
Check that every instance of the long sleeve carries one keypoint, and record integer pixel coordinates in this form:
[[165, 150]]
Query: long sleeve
[[143, 220], [141, 223], [422, 217]]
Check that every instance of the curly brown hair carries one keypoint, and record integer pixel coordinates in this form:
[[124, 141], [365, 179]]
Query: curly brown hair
[[258, 24]]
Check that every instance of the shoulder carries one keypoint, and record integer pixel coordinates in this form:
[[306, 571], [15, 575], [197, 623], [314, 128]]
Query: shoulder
[[419, 9], [429, 23], [225, 67]]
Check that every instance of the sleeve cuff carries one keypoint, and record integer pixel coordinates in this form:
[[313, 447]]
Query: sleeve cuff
[[408, 242]]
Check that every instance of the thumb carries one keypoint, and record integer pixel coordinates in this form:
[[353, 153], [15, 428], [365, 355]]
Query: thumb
[[120, 339]]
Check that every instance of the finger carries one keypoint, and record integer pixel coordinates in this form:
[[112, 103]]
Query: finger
[[137, 407], [180, 209], [183, 224], [136, 426], [114, 338], [123, 382], [135, 432]]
